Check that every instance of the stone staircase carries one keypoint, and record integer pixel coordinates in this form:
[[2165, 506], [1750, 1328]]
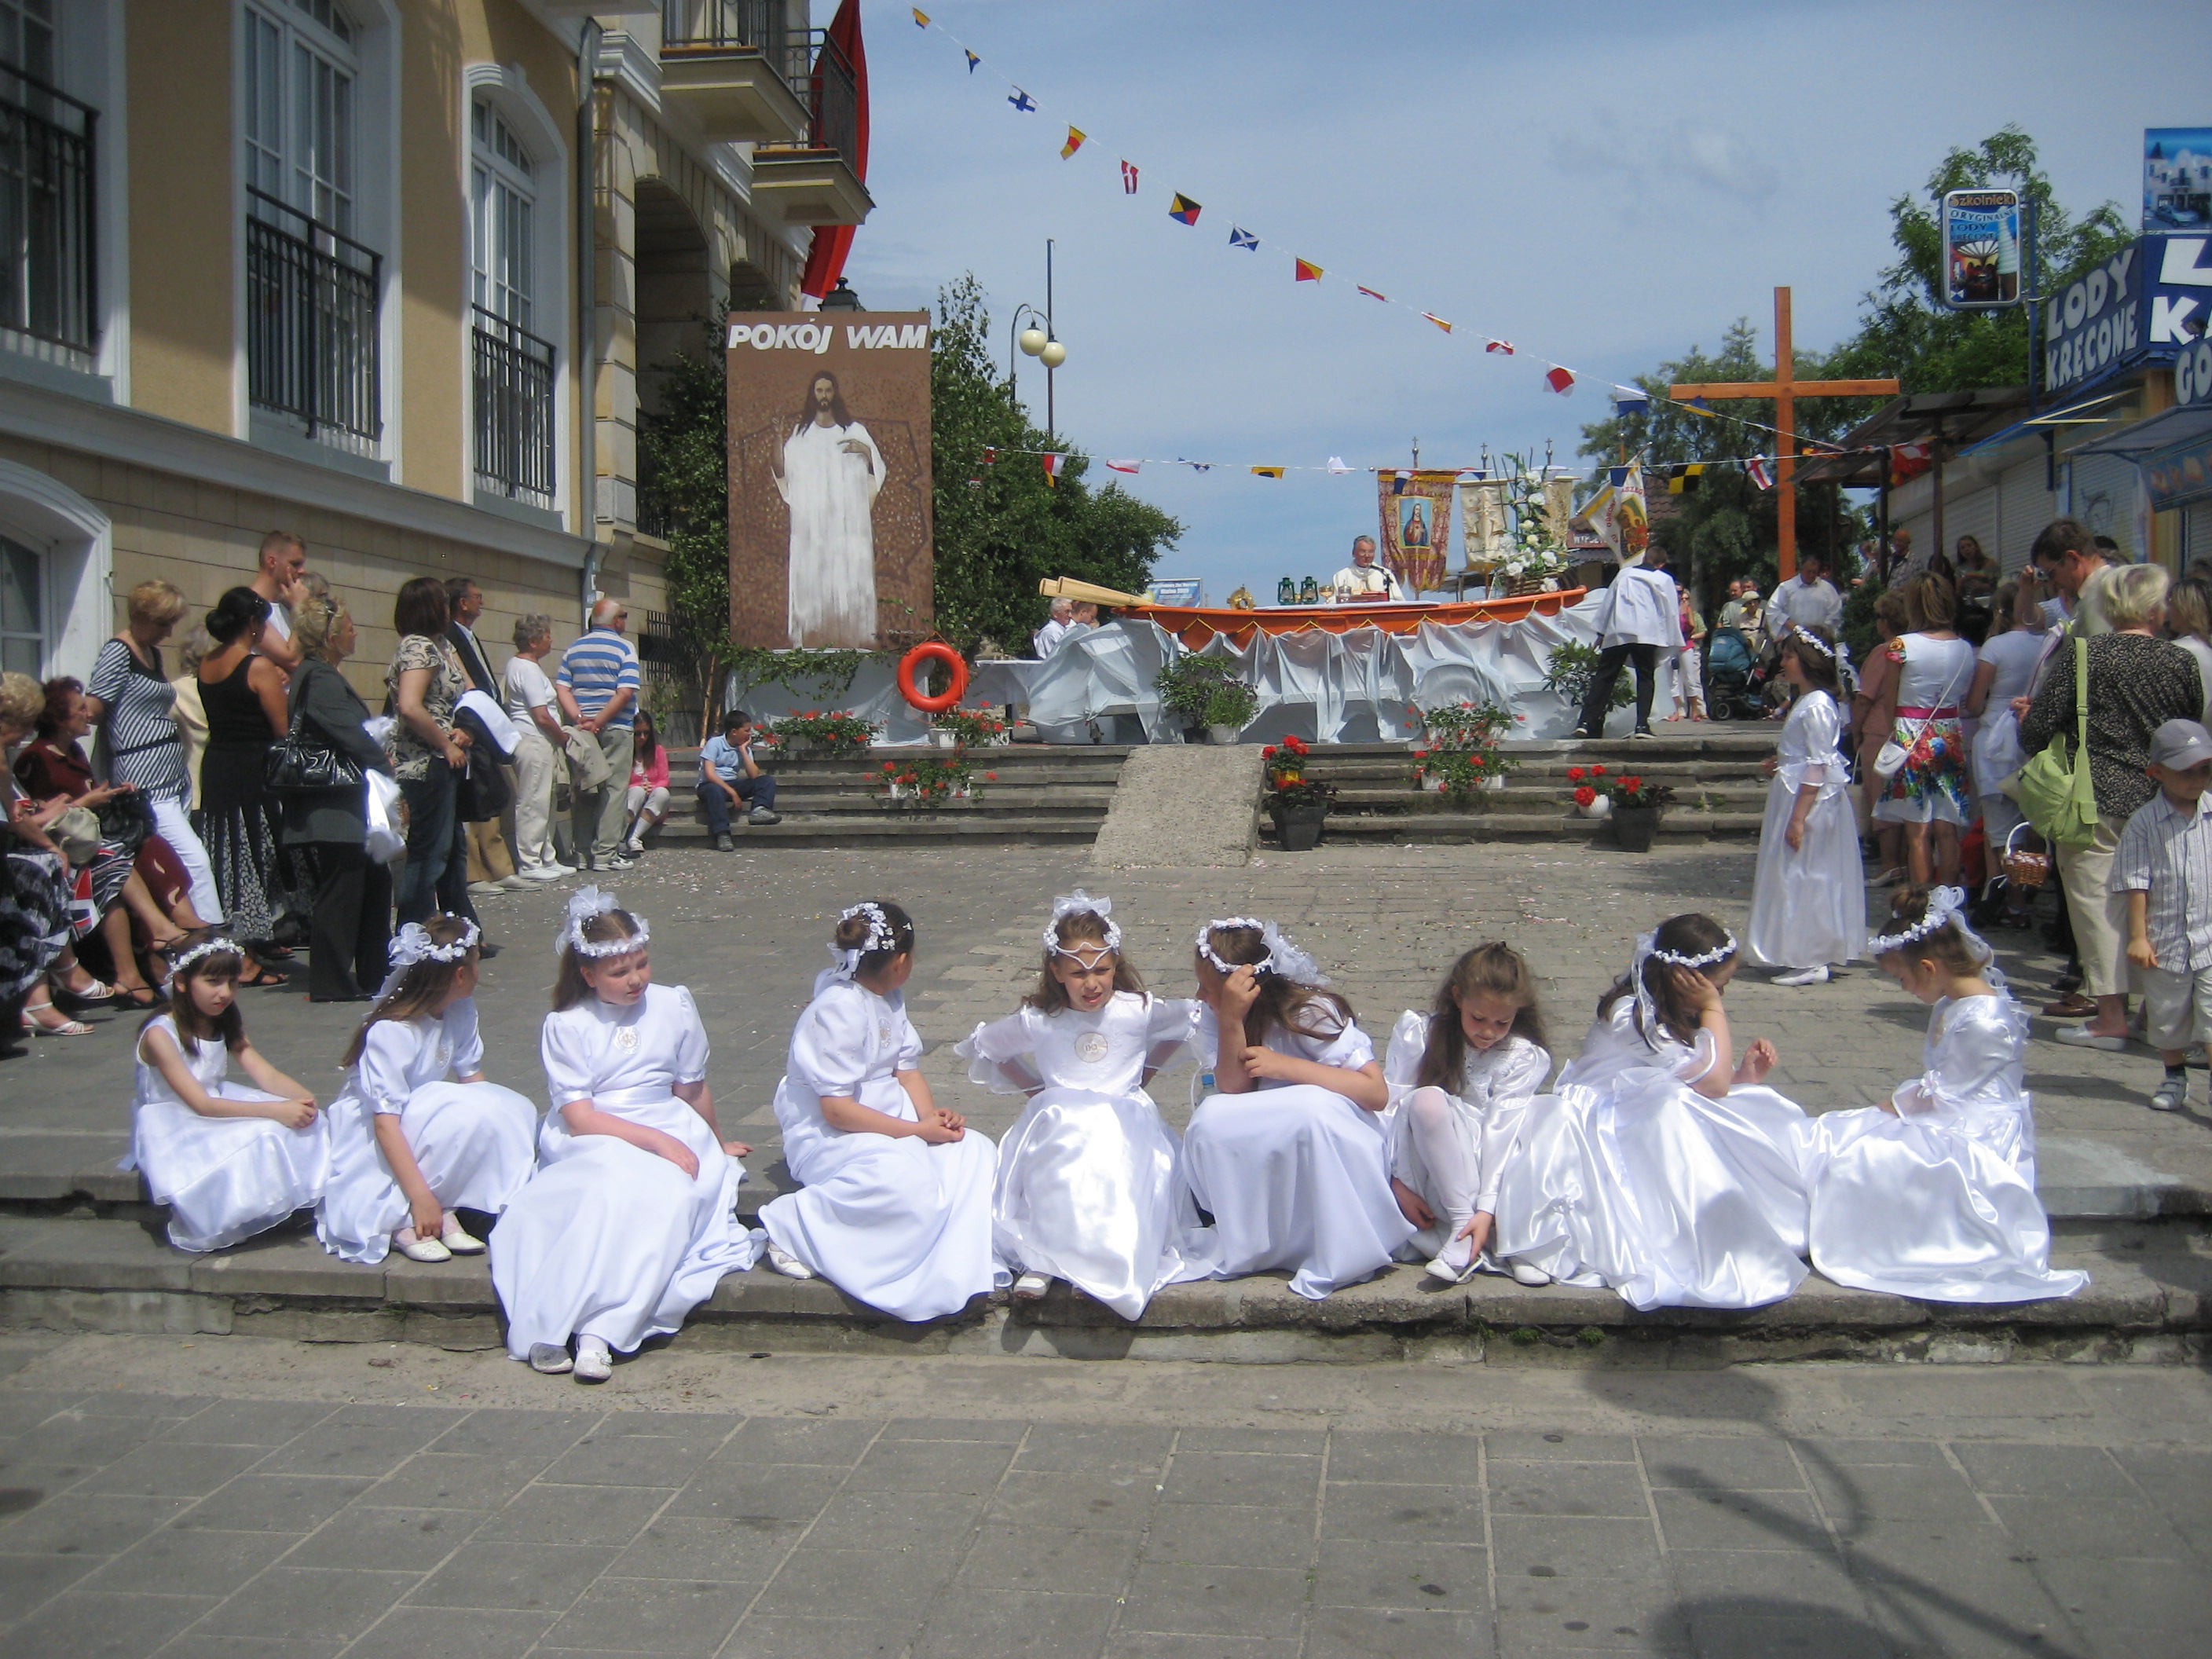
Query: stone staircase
[[1044, 793], [1720, 790]]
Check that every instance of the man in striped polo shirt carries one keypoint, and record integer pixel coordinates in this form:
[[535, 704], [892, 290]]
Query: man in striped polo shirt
[[597, 687]]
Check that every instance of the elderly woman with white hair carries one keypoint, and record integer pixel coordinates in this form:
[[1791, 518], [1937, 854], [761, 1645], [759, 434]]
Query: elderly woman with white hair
[[2136, 681], [529, 696]]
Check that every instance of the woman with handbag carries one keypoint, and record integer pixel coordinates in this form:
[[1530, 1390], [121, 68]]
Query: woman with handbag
[[2133, 682], [425, 680], [34, 892], [1926, 756], [135, 877], [2015, 647], [350, 934], [243, 694]]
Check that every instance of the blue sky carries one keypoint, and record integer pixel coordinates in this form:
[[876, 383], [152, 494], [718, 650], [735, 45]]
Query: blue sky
[[1603, 184]]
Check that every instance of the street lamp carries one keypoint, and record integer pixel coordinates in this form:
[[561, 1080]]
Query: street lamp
[[1038, 343]]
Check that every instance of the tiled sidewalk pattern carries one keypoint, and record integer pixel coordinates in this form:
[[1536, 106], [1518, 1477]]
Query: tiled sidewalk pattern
[[224, 1528]]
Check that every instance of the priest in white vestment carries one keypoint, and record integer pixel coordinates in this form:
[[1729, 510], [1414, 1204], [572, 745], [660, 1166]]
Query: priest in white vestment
[[828, 472]]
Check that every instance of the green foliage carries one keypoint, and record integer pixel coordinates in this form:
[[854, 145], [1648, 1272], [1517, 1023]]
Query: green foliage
[[1858, 630], [1001, 526], [1459, 773], [1463, 725], [971, 726], [1232, 703], [838, 732], [828, 672], [1569, 669], [1186, 685], [683, 459], [927, 781]]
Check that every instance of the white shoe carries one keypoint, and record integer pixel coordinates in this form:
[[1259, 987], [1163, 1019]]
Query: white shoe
[[545, 872], [2080, 1036], [634, 849], [1889, 877], [550, 1359], [1525, 1274], [1454, 1274], [1816, 974], [788, 1264], [618, 862], [485, 889], [457, 1239], [516, 883], [593, 1363], [1031, 1287], [417, 1249]]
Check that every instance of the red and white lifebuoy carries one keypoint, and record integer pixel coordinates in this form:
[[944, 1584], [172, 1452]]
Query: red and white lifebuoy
[[909, 665]]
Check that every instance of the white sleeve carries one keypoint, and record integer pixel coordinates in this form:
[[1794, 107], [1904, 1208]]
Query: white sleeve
[[467, 1037], [563, 1046], [1173, 1022], [1822, 728], [1699, 1059], [1402, 1064], [828, 1046], [999, 1055], [910, 1043], [1522, 1073], [1347, 1047], [385, 1050], [691, 1045]]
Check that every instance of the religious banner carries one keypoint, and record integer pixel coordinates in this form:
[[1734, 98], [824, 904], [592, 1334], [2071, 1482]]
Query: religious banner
[[1416, 519], [829, 478], [1482, 518]]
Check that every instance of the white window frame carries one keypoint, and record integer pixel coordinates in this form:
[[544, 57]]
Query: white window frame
[[74, 540], [506, 88]]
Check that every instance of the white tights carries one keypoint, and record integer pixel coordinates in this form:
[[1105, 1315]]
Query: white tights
[[1453, 1177]]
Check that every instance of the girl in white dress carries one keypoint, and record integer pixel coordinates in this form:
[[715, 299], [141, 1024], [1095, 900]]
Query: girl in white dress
[[1808, 899], [895, 1210], [1656, 1165], [1089, 1187], [1290, 1158], [1461, 1077], [415, 1132], [1932, 1193], [229, 1162], [629, 1224]]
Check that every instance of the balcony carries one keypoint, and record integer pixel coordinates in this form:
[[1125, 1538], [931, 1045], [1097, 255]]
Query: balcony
[[48, 296], [735, 67], [313, 354], [513, 411], [816, 182]]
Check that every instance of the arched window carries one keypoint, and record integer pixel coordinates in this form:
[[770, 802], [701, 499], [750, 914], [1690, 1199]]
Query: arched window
[[504, 199], [516, 423], [299, 120]]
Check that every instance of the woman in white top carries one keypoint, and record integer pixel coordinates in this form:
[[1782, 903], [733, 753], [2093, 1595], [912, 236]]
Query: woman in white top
[[896, 1207], [415, 1132], [2189, 625], [1290, 1158], [1089, 1184], [530, 704], [629, 1222], [228, 1161], [1807, 900], [1932, 1193], [1461, 1077], [1930, 795]]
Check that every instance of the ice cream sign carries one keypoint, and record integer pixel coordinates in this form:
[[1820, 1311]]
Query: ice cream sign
[[2146, 304]]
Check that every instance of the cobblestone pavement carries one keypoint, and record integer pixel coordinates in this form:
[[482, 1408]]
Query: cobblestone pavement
[[239, 1497]]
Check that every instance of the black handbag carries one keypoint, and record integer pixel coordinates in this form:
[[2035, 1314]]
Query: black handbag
[[125, 820], [302, 762]]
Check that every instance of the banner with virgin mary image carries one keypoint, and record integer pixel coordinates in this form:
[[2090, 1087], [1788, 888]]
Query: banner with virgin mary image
[[1416, 524]]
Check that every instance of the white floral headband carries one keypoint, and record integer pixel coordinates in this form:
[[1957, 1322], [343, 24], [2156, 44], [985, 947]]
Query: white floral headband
[[206, 947], [1840, 654], [1280, 956], [586, 906], [1079, 903], [882, 936], [1945, 905], [413, 944], [1647, 950]]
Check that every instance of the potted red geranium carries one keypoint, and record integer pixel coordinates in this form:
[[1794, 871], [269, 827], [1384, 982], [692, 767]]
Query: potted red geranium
[[1296, 803]]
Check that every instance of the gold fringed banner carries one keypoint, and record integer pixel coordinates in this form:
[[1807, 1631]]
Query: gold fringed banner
[[1416, 520]]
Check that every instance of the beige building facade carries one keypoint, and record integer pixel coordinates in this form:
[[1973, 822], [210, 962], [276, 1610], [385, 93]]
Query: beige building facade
[[391, 274]]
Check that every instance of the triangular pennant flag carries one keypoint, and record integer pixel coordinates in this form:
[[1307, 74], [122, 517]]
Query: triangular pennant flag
[[990, 453], [972, 60], [1121, 466], [1184, 208], [1561, 380], [1053, 465], [1336, 465], [1239, 237], [1022, 101], [1128, 178], [1075, 137], [1755, 469], [1616, 476], [920, 18], [1437, 320], [1269, 471], [1371, 293], [1304, 270], [1504, 346], [1628, 400], [1196, 466], [1399, 480]]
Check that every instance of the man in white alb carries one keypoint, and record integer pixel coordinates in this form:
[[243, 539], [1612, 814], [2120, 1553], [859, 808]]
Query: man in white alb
[[1363, 577], [1057, 626], [830, 471], [1637, 618], [1808, 598]]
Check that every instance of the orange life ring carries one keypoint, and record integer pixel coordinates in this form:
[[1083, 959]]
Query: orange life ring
[[932, 651]]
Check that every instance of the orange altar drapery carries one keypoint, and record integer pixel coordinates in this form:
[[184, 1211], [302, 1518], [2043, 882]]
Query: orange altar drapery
[[1195, 627]]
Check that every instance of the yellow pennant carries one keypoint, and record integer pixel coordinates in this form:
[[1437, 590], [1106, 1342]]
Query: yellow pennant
[[1269, 471], [1075, 137]]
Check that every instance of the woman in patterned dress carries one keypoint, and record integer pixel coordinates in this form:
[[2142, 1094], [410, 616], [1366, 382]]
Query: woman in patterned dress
[[244, 696]]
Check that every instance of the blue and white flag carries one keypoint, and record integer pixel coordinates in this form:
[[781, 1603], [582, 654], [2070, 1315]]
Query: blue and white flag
[[1240, 237], [1628, 400]]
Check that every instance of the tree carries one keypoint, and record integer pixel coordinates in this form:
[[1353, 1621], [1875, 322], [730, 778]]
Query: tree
[[684, 486], [1001, 525]]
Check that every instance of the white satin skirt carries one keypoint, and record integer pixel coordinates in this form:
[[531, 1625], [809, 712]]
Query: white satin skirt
[[1297, 1178], [610, 1240], [475, 1143], [1668, 1198], [1808, 907], [226, 1178], [1941, 1209], [1090, 1190], [894, 1222]]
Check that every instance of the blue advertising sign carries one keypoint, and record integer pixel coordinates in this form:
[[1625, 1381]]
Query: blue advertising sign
[[2177, 178], [1177, 590], [2140, 306], [1981, 249]]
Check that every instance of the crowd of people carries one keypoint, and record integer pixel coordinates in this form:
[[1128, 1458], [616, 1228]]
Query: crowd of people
[[255, 789], [1658, 1164]]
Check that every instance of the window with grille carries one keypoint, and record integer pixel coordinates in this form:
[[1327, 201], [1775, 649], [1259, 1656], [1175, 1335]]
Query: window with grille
[[514, 424]]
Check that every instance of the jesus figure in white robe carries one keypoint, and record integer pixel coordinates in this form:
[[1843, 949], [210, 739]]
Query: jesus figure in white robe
[[827, 472]]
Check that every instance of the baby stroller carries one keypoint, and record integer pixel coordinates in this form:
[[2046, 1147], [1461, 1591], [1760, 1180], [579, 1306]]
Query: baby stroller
[[1732, 680]]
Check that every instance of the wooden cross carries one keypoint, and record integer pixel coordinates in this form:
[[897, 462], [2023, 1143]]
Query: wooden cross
[[1785, 388]]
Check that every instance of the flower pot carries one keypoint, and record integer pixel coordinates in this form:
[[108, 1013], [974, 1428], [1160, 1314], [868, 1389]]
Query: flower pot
[[1433, 783], [1597, 809], [939, 739], [1634, 826], [1299, 828], [1221, 734], [1497, 780]]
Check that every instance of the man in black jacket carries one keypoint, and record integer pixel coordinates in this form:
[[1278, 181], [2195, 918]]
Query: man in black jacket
[[491, 865]]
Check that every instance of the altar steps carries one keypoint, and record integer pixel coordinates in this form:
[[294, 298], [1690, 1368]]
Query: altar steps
[[1717, 776]]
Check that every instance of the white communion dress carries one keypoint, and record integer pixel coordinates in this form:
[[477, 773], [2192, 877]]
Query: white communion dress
[[1089, 1184], [224, 1178], [893, 1221], [1480, 1127], [1938, 1201], [1295, 1176], [1809, 907], [474, 1142], [607, 1239], [1628, 1177]]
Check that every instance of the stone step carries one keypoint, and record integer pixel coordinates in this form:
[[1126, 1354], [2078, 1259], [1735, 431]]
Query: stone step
[[863, 798], [1450, 827], [1403, 800], [2146, 1302], [954, 824]]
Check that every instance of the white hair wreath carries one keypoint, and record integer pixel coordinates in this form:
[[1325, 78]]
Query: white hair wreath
[[882, 936], [206, 947], [1079, 903], [1280, 955], [413, 944], [1945, 904], [1647, 950], [1840, 654], [586, 905]]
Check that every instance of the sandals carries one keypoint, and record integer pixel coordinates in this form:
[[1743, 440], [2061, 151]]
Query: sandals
[[143, 997], [264, 975], [61, 1024], [93, 993]]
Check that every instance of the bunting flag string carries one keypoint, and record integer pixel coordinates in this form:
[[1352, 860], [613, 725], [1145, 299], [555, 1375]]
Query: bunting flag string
[[1679, 478]]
